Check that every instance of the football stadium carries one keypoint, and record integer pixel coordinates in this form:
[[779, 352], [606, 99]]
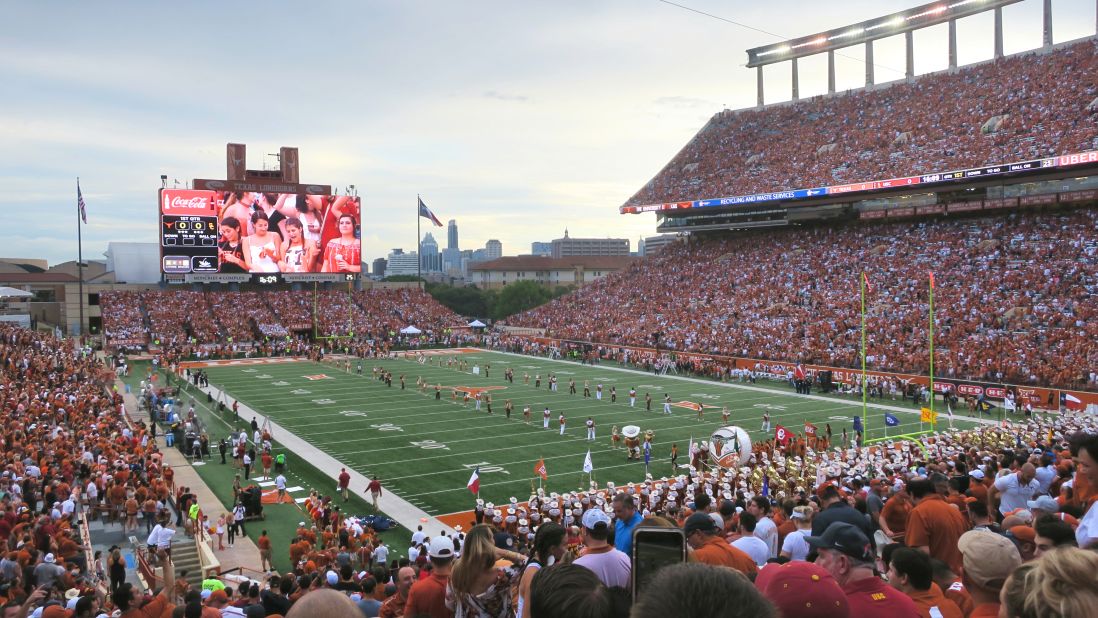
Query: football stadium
[[860, 372]]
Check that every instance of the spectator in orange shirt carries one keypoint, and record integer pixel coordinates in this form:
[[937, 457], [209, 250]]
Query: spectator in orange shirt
[[264, 544], [703, 535], [989, 559], [910, 572], [393, 607], [934, 526], [952, 586]]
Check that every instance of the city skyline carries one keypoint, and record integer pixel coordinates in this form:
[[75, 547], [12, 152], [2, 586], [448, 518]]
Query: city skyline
[[523, 119]]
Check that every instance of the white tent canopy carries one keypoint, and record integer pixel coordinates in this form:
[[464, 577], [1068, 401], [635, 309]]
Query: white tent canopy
[[6, 292], [410, 330], [476, 324]]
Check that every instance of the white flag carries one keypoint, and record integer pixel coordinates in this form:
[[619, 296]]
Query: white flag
[[587, 465]]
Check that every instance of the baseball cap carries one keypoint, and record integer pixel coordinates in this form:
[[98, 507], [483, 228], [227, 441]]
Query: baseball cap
[[805, 590], [49, 558], [219, 595], [594, 517], [55, 611], [977, 474], [699, 521], [845, 538], [1045, 503], [441, 547], [989, 557], [1023, 533], [332, 578]]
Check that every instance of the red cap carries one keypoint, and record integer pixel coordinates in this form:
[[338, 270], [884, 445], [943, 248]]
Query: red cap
[[805, 590], [218, 595]]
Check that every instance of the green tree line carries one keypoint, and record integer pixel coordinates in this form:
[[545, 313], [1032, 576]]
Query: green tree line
[[473, 302]]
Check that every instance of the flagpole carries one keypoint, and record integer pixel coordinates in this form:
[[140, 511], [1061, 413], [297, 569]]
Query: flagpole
[[865, 405], [419, 242], [80, 258], [934, 421]]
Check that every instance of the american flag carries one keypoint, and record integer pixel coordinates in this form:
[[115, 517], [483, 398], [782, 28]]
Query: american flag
[[80, 203]]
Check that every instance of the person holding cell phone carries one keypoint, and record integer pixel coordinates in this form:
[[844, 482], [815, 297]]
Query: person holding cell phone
[[230, 251], [262, 249], [298, 255], [343, 254]]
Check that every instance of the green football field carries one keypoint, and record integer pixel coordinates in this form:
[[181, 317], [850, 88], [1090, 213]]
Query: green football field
[[425, 450]]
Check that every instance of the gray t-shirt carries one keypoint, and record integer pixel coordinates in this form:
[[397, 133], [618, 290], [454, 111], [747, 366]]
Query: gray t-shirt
[[47, 574]]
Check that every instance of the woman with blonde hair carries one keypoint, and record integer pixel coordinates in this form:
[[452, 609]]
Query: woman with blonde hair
[[1060, 584], [795, 547], [478, 587]]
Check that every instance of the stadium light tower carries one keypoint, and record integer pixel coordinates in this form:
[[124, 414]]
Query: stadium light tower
[[903, 22]]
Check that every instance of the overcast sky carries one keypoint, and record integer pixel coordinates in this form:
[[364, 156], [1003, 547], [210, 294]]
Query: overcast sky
[[517, 119]]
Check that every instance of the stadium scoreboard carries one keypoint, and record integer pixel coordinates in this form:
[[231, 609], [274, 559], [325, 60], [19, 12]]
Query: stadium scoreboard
[[188, 232], [210, 234]]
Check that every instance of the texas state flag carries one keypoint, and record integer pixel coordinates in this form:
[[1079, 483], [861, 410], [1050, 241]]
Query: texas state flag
[[427, 214], [474, 481]]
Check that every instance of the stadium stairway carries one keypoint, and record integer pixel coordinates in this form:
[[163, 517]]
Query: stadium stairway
[[244, 552]]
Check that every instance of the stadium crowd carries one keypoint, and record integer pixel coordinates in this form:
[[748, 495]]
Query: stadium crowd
[[929, 125], [1012, 298], [215, 318], [67, 450]]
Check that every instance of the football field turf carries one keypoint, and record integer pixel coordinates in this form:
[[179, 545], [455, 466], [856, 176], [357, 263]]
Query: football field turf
[[424, 449]]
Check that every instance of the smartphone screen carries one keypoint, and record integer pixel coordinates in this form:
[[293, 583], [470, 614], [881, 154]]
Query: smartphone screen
[[653, 549]]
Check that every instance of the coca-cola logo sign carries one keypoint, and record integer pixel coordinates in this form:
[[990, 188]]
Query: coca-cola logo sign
[[191, 202], [188, 202]]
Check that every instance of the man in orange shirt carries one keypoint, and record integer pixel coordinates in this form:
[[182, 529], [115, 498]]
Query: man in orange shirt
[[264, 544], [427, 597], [393, 607], [910, 572], [934, 526], [703, 535], [989, 559], [126, 599]]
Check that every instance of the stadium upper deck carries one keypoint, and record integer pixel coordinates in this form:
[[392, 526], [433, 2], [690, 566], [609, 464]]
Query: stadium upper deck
[[1027, 106]]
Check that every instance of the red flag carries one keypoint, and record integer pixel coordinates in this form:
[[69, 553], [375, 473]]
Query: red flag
[[932, 280], [782, 435], [809, 429], [474, 481], [539, 469], [865, 278], [798, 372]]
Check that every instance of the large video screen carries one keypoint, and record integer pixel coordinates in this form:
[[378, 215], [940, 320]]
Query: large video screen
[[259, 233]]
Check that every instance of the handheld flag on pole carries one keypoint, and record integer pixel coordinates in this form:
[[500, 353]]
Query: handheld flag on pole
[[891, 420], [926, 415], [809, 430], [588, 466], [766, 485], [857, 423], [782, 435], [539, 469], [427, 214], [474, 481]]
